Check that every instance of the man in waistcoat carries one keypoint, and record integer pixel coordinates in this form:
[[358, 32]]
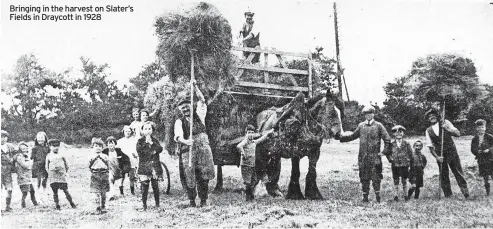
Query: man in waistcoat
[[195, 177], [250, 36], [450, 159]]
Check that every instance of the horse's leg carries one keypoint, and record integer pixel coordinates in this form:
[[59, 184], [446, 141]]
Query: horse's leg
[[273, 173], [294, 189], [311, 188], [219, 183]]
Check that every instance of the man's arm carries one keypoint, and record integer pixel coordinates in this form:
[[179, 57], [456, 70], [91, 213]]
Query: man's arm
[[179, 134], [449, 127], [199, 94], [352, 136]]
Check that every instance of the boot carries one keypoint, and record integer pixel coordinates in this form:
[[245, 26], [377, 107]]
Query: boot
[[156, 198], [396, 199], [121, 190], [487, 187], [23, 203], [145, 190], [203, 202], [132, 190], [416, 195], [248, 194], [377, 196], [7, 201], [365, 197], [192, 203], [57, 207]]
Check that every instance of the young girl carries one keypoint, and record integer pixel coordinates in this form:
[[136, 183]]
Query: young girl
[[148, 149], [99, 166], [135, 125], [128, 144], [119, 164], [38, 155], [23, 168], [416, 172]]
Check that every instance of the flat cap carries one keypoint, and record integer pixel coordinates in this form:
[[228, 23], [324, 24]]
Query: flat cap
[[480, 122], [368, 109], [431, 112], [5, 133], [54, 142], [249, 13], [398, 127]]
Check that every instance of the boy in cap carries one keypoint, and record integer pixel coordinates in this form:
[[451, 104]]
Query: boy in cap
[[119, 164], [8, 153], [23, 168], [482, 148], [370, 132], [400, 156], [450, 158], [99, 166], [57, 167], [247, 149], [416, 172]]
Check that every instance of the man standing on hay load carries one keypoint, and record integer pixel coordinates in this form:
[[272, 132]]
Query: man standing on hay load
[[369, 157], [250, 36], [197, 175], [450, 158]]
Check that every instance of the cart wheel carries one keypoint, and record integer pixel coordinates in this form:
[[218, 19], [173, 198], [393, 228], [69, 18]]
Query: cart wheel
[[167, 180]]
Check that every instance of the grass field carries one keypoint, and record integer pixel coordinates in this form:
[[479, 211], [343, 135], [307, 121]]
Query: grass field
[[337, 179]]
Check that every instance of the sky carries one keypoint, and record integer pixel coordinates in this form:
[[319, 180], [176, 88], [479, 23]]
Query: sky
[[379, 39]]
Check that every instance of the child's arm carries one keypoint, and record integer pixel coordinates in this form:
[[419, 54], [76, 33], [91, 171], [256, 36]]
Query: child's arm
[[265, 136], [424, 161], [65, 162], [241, 145], [47, 163], [21, 161], [157, 146]]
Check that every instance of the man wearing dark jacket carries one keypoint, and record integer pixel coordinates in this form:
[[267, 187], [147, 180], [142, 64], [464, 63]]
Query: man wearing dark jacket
[[450, 158], [482, 148]]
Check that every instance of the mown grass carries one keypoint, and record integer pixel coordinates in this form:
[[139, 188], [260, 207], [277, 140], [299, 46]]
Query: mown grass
[[337, 180]]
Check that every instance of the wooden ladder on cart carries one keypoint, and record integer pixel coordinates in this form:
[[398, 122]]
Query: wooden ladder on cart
[[284, 70]]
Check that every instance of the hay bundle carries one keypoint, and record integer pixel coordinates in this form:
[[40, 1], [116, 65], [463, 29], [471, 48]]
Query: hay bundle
[[201, 28]]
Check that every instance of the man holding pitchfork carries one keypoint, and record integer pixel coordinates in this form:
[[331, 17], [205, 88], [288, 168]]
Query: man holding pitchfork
[[196, 164]]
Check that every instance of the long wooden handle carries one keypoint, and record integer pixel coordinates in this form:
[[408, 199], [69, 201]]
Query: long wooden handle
[[191, 109]]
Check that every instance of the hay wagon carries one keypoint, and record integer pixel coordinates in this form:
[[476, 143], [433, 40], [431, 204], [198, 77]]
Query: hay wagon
[[258, 87]]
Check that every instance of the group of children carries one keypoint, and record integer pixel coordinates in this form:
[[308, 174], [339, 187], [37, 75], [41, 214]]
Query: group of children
[[44, 162]]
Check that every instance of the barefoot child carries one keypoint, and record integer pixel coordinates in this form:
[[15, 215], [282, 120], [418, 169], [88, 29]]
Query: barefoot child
[[23, 168], [38, 155], [416, 172], [8, 153], [57, 167], [400, 156], [247, 148], [99, 166], [482, 148]]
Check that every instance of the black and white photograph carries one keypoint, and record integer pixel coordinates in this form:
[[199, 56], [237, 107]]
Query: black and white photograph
[[246, 114]]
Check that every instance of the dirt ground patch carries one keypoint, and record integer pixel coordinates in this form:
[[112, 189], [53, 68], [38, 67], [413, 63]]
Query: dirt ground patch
[[337, 180]]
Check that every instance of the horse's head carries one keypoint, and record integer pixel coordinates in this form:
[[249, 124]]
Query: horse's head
[[327, 110]]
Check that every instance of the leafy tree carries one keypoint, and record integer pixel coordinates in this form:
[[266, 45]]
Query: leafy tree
[[149, 74]]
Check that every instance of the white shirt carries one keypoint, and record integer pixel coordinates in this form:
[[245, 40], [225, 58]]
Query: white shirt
[[369, 122], [436, 130], [201, 112], [399, 143], [129, 147]]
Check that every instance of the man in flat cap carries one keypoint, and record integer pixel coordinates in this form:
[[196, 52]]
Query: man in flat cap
[[450, 158], [482, 148], [197, 175], [370, 132], [8, 154], [250, 36]]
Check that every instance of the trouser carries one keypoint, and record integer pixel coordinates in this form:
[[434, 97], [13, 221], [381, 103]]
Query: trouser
[[249, 179], [201, 187], [452, 162], [64, 188], [365, 185], [32, 194]]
